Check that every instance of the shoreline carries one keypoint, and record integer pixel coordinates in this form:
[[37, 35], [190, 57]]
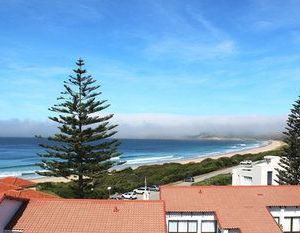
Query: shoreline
[[271, 145]]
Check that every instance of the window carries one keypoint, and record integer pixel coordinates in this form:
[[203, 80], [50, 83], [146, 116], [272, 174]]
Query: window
[[209, 226], [291, 224], [173, 226], [296, 224], [233, 231], [247, 180], [269, 177], [193, 225], [183, 226]]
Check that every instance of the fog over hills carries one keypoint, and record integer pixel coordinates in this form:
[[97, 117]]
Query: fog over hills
[[166, 126]]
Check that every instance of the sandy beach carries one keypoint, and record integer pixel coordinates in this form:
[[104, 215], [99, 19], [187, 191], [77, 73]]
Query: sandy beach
[[271, 145], [50, 179]]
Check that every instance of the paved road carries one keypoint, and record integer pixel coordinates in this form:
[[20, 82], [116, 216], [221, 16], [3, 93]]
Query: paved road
[[205, 176], [155, 195]]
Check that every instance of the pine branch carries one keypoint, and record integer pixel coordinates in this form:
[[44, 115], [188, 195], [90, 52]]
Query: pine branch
[[83, 147]]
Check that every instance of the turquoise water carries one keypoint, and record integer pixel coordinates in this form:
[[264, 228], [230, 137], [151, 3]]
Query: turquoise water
[[18, 156]]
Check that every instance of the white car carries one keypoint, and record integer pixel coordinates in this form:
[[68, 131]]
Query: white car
[[246, 162], [154, 188], [129, 195], [140, 190]]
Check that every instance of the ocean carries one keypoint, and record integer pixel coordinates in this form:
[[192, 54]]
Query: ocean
[[18, 156]]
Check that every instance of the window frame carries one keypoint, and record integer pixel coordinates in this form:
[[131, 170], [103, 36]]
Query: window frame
[[187, 221], [291, 226], [269, 178], [278, 222], [247, 180], [215, 223]]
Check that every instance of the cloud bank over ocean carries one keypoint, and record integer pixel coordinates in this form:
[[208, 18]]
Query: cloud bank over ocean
[[166, 126]]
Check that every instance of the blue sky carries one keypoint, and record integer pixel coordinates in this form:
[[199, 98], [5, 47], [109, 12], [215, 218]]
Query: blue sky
[[176, 57]]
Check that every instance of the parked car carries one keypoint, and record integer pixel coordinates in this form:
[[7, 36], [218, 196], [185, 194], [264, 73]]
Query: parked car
[[154, 188], [189, 179], [129, 195], [140, 190], [116, 198]]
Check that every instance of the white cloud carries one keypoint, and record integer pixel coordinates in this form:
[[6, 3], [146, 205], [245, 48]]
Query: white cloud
[[190, 50], [165, 126], [25, 128], [189, 36], [180, 126]]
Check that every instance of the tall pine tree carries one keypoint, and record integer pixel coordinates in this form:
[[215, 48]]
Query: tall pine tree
[[83, 147], [290, 161]]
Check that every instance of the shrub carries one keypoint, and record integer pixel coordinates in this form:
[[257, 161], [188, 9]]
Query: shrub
[[129, 179], [222, 179]]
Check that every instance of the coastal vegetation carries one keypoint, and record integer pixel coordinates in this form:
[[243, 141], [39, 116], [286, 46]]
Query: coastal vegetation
[[128, 179], [290, 161], [83, 147], [221, 179]]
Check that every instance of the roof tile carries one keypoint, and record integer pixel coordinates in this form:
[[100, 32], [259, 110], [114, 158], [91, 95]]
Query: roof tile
[[17, 182], [243, 207], [105, 216], [28, 194]]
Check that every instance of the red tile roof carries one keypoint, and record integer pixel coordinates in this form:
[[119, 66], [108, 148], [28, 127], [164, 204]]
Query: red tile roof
[[91, 216], [16, 188], [4, 187], [244, 207], [17, 182], [28, 194]]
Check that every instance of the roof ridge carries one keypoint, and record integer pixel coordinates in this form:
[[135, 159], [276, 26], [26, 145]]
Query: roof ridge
[[230, 186], [97, 200]]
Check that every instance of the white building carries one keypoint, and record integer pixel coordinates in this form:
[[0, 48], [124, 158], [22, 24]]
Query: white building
[[257, 173]]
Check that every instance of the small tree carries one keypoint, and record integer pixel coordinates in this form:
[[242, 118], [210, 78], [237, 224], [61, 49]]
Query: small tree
[[290, 161], [83, 147]]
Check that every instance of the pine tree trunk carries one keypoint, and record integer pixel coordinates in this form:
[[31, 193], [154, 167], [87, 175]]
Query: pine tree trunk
[[80, 187]]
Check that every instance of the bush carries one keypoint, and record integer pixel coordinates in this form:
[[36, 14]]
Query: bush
[[57, 188], [222, 179], [129, 179]]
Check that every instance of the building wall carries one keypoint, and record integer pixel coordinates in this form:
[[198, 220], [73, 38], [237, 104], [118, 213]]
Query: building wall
[[8, 208], [257, 172]]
